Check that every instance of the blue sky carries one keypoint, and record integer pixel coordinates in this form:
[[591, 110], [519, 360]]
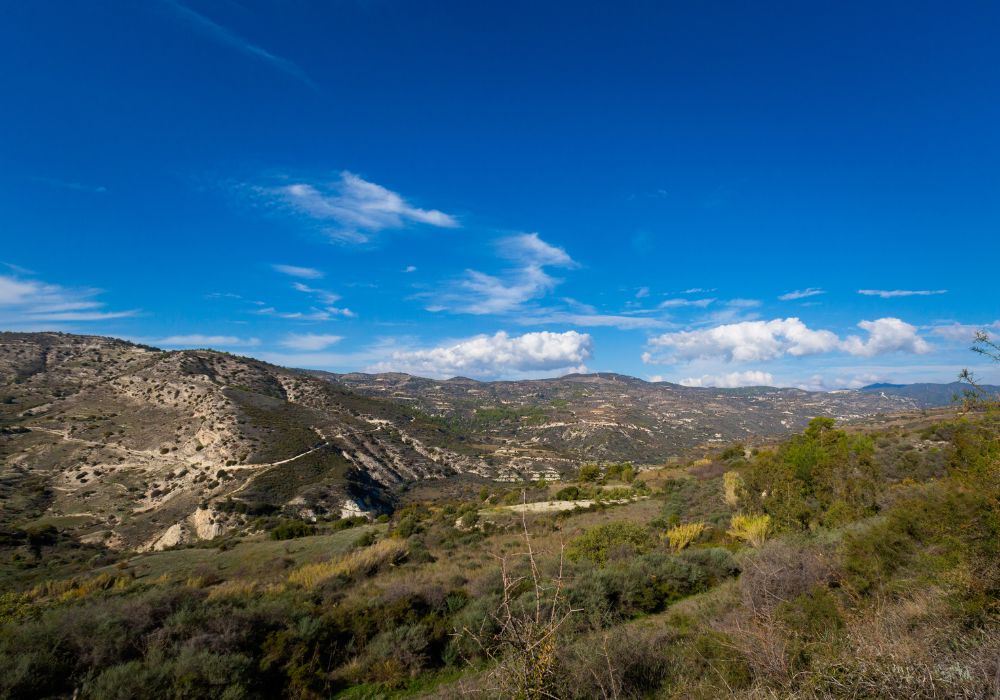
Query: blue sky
[[694, 192]]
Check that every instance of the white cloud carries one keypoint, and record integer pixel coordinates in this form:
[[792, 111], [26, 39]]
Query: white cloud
[[410, 268], [642, 293], [893, 293], [801, 294], [743, 303], [356, 208], [886, 335], [595, 320], [310, 342], [752, 341], [322, 294], [314, 314], [964, 333], [731, 380], [308, 273], [481, 293], [748, 341], [28, 301], [819, 382], [486, 294], [498, 355], [205, 341], [530, 250], [675, 303]]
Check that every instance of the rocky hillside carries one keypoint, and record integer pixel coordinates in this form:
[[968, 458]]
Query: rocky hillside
[[141, 447], [611, 416]]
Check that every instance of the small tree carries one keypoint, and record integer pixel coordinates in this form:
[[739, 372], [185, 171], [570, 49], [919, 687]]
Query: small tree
[[589, 473], [752, 529]]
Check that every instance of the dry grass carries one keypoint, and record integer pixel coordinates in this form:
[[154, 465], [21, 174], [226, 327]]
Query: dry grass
[[680, 536], [361, 562], [752, 529], [732, 484]]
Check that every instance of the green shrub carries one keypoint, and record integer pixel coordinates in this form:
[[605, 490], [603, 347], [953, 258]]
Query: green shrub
[[291, 529], [589, 473], [601, 541]]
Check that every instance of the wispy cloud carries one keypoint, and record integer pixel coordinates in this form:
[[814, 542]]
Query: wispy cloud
[[893, 293], [352, 208], [33, 302], [227, 37], [801, 294], [964, 332], [480, 293], [327, 298], [681, 303], [589, 320], [308, 273], [310, 342], [323, 295], [197, 340]]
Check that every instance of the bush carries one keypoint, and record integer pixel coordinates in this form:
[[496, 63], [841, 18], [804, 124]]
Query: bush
[[602, 541], [589, 473], [291, 529]]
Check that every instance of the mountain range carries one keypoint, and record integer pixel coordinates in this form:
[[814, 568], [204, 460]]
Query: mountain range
[[139, 447]]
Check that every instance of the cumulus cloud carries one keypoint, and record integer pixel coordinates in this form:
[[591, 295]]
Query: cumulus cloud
[[893, 293], [749, 341], [32, 302], [731, 380], [205, 341], [753, 341], [498, 355], [308, 273], [310, 342], [355, 208], [886, 335], [801, 294]]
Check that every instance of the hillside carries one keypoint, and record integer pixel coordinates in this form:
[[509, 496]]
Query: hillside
[[859, 563], [611, 416], [139, 447], [132, 446]]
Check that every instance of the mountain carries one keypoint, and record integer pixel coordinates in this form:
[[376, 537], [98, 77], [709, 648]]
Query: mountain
[[133, 446], [545, 423], [926, 394], [140, 447]]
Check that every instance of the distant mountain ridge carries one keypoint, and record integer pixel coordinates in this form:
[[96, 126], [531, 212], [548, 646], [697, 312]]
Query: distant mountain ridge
[[927, 394]]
